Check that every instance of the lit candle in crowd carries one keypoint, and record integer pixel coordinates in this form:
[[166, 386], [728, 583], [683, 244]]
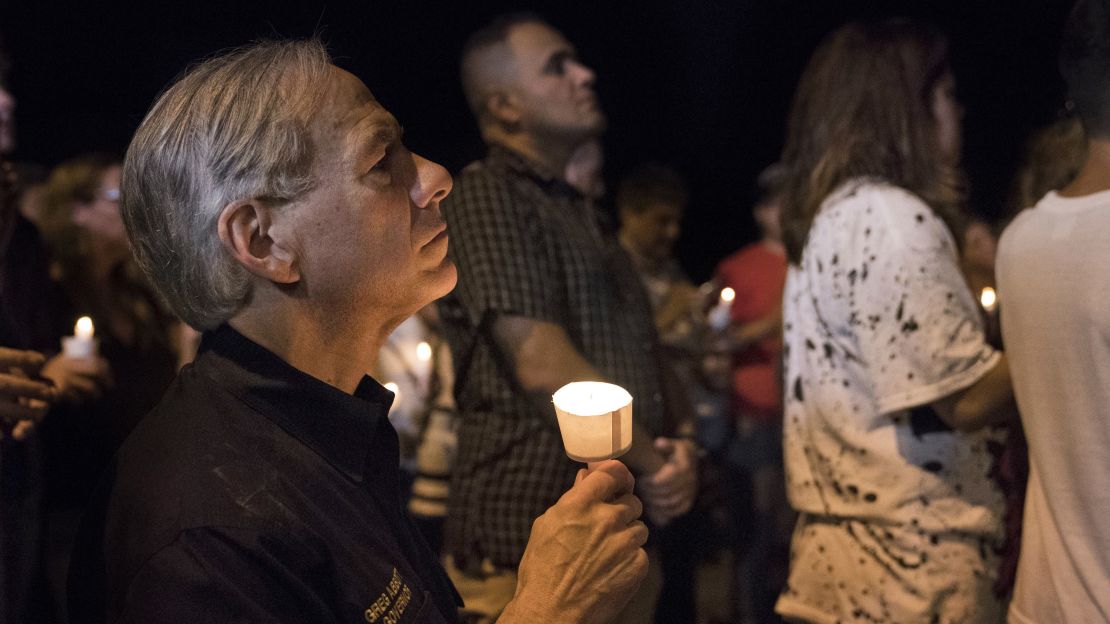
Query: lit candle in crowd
[[81, 344], [395, 389], [988, 299], [595, 419], [720, 314]]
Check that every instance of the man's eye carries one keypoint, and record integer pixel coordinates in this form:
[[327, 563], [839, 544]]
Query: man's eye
[[382, 165], [557, 66]]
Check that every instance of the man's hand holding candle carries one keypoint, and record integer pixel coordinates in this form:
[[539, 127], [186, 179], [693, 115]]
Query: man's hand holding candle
[[585, 556]]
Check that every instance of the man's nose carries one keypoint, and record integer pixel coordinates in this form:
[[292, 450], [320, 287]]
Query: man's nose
[[582, 73], [432, 183]]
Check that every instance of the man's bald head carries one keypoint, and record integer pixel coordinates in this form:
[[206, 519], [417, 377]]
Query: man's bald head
[[487, 60]]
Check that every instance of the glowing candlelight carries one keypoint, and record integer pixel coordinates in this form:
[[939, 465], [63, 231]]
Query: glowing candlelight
[[83, 328], [81, 344], [424, 352], [988, 299], [722, 312], [395, 389], [595, 419]]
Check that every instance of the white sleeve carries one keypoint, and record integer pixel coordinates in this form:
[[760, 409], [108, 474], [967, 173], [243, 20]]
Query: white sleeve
[[922, 334]]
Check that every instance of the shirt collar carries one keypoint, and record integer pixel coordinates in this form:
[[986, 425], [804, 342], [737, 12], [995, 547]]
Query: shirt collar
[[339, 427], [502, 157]]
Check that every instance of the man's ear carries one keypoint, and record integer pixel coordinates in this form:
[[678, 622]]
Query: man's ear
[[245, 228], [503, 108]]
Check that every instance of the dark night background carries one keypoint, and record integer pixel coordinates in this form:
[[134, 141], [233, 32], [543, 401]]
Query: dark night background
[[703, 86]]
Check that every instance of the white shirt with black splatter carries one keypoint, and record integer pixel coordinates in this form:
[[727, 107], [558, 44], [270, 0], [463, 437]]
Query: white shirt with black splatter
[[879, 323]]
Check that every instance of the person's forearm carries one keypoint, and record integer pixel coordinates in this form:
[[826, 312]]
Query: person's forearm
[[642, 458], [989, 401]]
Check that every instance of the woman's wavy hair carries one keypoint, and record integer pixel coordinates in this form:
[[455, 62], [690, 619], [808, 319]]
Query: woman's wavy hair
[[862, 109]]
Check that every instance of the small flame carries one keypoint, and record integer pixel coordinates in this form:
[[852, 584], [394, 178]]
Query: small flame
[[988, 298], [84, 328], [395, 389], [423, 352], [728, 294]]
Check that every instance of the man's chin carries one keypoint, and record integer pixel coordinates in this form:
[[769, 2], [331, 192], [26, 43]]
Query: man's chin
[[600, 125], [444, 278]]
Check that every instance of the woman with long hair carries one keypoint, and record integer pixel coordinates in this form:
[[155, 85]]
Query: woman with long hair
[[890, 385]]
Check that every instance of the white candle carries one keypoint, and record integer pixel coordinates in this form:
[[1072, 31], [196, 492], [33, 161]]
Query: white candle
[[721, 313], [423, 351], [81, 344], [988, 299], [595, 420]]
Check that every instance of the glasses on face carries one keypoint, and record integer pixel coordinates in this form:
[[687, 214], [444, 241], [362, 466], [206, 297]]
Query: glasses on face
[[108, 194]]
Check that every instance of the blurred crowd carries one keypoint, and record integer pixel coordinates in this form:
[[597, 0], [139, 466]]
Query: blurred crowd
[[830, 418]]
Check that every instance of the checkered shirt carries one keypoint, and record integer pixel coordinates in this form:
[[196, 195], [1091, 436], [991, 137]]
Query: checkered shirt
[[526, 244]]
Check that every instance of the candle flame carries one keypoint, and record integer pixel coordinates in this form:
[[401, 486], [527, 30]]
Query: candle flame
[[423, 352], [727, 295], [395, 389], [84, 328], [987, 297]]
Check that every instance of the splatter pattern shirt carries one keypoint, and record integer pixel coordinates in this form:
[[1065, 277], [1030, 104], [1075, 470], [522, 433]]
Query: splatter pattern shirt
[[879, 324]]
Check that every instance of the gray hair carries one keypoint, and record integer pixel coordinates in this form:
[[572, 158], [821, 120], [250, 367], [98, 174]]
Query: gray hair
[[233, 127]]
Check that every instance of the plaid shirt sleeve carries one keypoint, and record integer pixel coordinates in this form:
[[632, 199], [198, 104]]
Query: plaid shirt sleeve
[[497, 244]]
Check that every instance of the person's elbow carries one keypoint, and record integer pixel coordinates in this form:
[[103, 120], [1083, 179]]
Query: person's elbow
[[968, 414], [535, 372], [542, 355]]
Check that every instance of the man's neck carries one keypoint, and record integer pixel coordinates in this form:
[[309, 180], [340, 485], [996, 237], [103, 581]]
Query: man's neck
[[1094, 177], [337, 353]]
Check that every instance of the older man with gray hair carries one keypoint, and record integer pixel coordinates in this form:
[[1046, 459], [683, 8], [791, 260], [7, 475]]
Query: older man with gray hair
[[270, 199]]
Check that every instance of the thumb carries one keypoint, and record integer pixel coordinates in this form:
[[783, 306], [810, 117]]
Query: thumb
[[604, 482]]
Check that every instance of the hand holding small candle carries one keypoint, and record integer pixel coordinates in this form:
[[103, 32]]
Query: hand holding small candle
[[81, 345], [595, 419], [720, 314], [78, 372]]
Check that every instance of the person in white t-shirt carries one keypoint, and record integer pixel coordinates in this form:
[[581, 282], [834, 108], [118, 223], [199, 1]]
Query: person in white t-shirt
[[890, 385], [1054, 285]]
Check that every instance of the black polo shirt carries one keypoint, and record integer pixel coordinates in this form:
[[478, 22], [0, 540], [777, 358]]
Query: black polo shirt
[[256, 493]]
